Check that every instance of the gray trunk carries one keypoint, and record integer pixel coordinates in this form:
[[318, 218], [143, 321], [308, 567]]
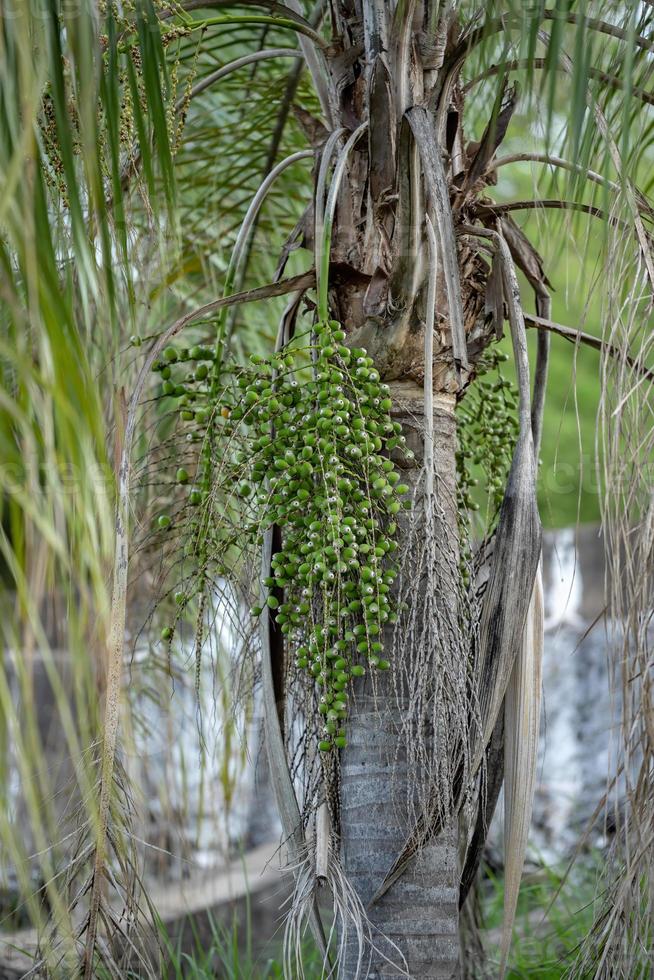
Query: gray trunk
[[419, 913]]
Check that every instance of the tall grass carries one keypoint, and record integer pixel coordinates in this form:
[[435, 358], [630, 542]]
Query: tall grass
[[556, 910]]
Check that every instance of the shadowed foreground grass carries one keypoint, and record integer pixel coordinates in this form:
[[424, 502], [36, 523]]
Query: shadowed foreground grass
[[227, 959], [554, 913]]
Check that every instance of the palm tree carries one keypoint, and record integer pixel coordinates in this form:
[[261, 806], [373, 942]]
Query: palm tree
[[148, 150]]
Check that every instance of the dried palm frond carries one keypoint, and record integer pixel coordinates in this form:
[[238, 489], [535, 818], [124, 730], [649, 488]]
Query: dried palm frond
[[522, 727]]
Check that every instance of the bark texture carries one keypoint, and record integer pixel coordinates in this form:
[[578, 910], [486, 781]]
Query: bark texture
[[415, 924]]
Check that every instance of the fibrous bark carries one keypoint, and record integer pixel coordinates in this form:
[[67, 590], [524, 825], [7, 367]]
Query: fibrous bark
[[415, 924]]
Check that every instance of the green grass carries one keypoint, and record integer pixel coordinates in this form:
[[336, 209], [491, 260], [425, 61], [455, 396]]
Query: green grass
[[231, 954], [554, 914]]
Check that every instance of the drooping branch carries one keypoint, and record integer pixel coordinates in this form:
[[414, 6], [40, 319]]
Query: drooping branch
[[544, 324], [554, 161], [522, 708], [546, 203], [580, 337], [522, 64], [601, 27], [644, 206], [316, 67], [287, 17], [220, 73], [283, 22], [246, 231], [314, 61], [530, 263], [321, 188]]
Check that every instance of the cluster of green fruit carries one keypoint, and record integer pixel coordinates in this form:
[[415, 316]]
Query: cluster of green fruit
[[190, 397], [307, 436], [488, 430], [188, 377], [320, 470], [192, 391]]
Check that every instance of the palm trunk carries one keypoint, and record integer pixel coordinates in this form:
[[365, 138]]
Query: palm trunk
[[397, 73], [417, 919]]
